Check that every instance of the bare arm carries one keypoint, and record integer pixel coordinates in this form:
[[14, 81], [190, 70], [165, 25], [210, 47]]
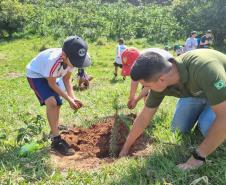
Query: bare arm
[[55, 87], [140, 123], [133, 89], [143, 93], [217, 132], [133, 100], [68, 85]]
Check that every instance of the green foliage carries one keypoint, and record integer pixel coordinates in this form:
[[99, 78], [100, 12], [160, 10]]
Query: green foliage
[[13, 16], [101, 42], [92, 19], [202, 15], [19, 105], [115, 134], [30, 131], [162, 26], [51, 18]]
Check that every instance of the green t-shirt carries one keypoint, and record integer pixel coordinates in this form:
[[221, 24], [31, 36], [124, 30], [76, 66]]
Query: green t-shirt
[[202, 74]]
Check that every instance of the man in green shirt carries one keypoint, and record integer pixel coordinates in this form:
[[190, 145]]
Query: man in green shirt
[[198, 73]]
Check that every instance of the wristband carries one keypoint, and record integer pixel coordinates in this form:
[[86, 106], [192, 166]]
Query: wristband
[[197, 156]]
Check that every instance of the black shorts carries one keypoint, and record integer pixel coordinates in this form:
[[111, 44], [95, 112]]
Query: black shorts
[[117, 65], [81, 72]]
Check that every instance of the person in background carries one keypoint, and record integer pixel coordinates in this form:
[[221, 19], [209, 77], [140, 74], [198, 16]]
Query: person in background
[[191, 42], [206, 40], [129, 57], [118, 60], [83, 78], [178, 49], [199, 36]]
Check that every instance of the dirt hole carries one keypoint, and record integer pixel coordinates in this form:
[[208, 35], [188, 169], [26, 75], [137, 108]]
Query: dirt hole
[[95, 146]]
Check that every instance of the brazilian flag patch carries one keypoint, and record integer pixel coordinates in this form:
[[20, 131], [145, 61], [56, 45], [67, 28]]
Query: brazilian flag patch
[[220, 84]]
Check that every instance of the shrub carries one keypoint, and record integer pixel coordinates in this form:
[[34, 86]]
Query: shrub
[[13, 16]]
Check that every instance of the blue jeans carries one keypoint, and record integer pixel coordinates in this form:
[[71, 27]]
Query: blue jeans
[[191, 110]]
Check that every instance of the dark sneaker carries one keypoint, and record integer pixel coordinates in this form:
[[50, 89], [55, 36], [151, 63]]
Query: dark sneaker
[[61, 146]]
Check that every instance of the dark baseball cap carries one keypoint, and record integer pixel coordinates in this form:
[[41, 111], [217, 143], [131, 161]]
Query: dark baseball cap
[[76, 50]]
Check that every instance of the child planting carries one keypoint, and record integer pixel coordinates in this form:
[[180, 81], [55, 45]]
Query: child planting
[[42, 72]]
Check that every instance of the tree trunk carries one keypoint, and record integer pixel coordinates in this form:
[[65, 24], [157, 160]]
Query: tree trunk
[[219, 39]]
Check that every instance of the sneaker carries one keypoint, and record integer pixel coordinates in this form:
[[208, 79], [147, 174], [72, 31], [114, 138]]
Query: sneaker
[[61, 146]]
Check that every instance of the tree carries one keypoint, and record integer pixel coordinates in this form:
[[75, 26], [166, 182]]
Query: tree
[[13, 16], [202, 15]]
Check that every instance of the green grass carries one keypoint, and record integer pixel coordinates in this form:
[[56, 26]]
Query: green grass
[[18, 106]]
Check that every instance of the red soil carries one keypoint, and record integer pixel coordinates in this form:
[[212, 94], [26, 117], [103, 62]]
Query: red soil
[[92, 145]]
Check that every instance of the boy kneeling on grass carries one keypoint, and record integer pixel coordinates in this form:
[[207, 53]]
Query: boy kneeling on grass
[[42, 72]]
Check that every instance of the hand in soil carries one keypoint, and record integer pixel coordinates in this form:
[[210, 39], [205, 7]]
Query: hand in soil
[[123, 153], [132, 103]]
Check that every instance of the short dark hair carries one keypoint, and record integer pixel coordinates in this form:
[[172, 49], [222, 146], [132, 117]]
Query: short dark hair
[[149, 66], [121, 41]]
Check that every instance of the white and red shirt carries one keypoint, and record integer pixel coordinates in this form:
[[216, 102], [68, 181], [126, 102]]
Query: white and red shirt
[[46, 64]]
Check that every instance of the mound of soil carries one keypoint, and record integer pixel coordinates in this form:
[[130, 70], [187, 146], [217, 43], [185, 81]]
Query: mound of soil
[[95, 141], [94, 145]]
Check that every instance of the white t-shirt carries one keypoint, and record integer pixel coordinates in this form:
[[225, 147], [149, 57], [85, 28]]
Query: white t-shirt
[[191, 44], [46, 64], [120, 48], [165, 54]]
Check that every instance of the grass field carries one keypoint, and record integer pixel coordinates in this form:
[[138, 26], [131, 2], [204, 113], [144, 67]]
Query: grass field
[[18, 107]]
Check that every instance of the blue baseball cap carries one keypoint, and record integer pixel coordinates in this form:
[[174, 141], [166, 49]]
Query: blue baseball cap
[[76, 50]]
